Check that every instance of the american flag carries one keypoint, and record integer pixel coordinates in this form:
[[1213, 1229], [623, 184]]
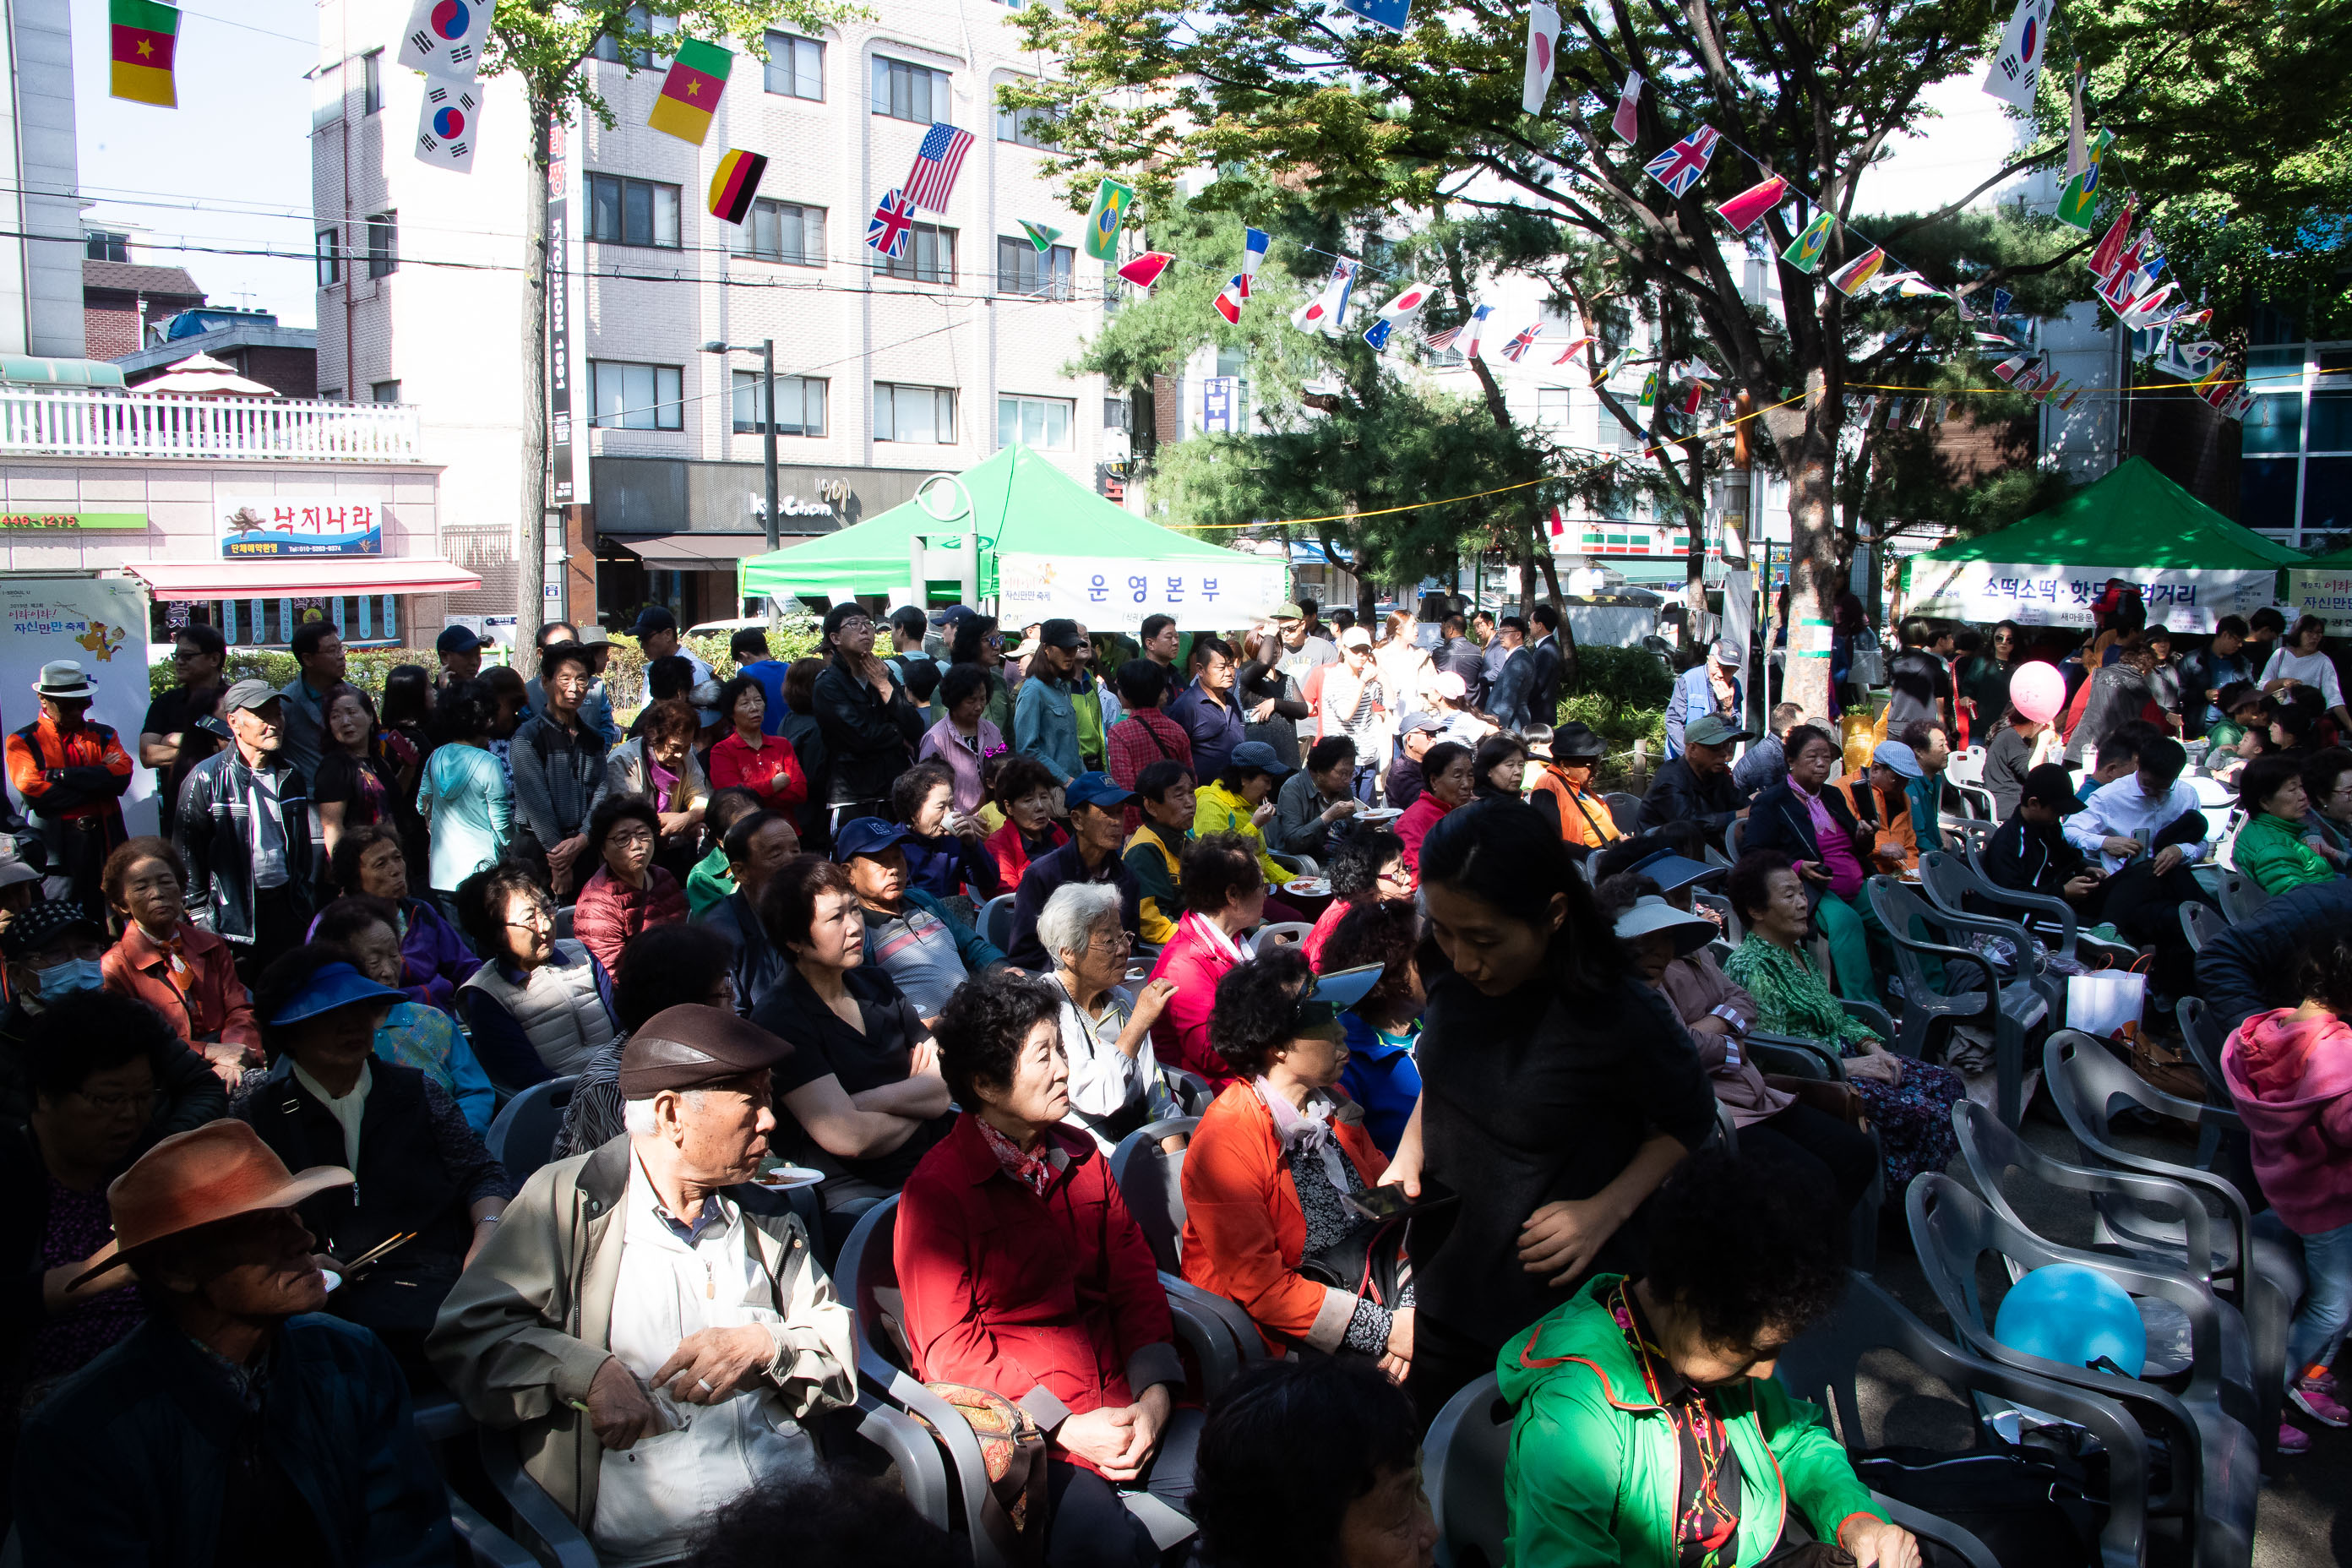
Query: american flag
[[937, 162], [1442, 340]]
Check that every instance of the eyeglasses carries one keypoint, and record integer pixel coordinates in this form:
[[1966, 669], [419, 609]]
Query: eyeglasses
[[1116, 942], [1399, 878], [854, 624], [537, 921], [637, 840]]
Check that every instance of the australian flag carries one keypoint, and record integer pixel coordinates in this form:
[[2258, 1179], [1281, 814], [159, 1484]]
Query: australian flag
[[886, 231]]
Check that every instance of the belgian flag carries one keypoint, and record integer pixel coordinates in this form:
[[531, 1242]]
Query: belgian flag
[[690, 94], [737, 181], [144, 35]]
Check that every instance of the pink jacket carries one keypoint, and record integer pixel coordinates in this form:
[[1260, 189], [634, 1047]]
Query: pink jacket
[[610, 912], [2291, 1080]]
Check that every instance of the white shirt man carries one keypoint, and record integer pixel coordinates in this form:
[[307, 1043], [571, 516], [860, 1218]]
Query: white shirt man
[[2121, 820]]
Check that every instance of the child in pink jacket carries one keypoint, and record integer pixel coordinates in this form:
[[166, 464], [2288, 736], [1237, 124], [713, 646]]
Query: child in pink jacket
[[2290, 1073]]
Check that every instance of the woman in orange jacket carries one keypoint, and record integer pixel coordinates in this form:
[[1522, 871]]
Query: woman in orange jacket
[[173, 965], [1272, 1163]]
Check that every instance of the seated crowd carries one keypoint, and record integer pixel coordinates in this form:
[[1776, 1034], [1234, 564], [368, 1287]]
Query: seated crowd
[[814, 942]]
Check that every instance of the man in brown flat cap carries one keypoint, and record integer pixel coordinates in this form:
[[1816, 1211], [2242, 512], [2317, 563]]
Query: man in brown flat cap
[[239, 1423], [647, 1318]]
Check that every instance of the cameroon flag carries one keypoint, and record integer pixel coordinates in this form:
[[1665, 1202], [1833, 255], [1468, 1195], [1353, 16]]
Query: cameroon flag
[[690, 96], [737, 181], [144, 34]]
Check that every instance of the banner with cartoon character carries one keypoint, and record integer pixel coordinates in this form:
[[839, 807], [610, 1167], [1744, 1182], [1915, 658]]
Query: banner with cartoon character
[[99, 623]]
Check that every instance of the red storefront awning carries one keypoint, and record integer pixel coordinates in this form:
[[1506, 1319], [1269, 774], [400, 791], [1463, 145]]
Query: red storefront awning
[[305, 575]]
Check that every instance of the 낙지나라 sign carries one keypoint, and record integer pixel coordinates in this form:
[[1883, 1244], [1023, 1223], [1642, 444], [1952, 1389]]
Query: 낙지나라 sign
[[259, 527]]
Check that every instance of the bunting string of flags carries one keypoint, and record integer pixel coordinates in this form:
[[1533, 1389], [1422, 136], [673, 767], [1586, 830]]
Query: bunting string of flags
[[144, 35]]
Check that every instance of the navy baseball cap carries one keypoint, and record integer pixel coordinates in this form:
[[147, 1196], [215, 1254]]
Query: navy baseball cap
[[1096, 789], [334, 986], [1259, 755], [867, 836], [459, 640]]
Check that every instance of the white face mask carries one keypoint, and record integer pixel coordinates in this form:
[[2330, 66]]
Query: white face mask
[[74, 975]]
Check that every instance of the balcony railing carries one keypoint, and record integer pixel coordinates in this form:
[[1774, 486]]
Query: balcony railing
[[85, 422]]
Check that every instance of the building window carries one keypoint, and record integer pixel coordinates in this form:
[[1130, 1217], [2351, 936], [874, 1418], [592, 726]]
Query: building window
[[927, 257], [905, 91], [331, 258], [632, 212], [783, 231], [372, 83], [383, 391], [1022, 268], [796, 67], [382, 244], [635, 396], [914, 413], [102, 246], [1027, 127], [1042, 422], [800, 405], [1551, 405], [1117, 413], [608, 48]]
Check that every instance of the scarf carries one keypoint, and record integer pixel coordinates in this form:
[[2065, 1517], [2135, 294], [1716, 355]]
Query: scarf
[[1309, 1130], [1035, 1172]]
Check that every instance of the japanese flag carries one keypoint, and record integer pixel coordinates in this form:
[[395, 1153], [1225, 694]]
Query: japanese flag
[[446, 128], [1543, 45]]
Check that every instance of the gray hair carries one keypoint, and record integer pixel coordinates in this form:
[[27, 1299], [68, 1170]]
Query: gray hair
[[638, 1115], [1067, 923]]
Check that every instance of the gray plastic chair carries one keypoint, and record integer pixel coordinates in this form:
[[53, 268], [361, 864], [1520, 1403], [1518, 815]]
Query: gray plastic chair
[[1626, 808], [2217, 1470], [1956, 889], [1469, 1445], [2013, 1010], [2242, 896], [1824, 1365], [1151, 1181], [2065, 936], [1282, 933], [2263, 1277], [2201, 924], [522, 1136], [996, 922], [1191, 1090], [1993, 1152]]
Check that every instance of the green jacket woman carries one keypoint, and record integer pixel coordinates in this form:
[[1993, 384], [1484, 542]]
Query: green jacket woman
[[1595, 1470], [2271, 850]]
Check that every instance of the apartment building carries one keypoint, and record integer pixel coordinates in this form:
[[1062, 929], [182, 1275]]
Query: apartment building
[[887, 370]]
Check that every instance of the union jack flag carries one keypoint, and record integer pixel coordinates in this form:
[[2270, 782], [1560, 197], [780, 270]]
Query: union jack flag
[[886, 231], [937, 162], [1679, 166], [1524, 340]]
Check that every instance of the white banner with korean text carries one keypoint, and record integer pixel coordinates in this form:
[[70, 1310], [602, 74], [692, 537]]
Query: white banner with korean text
[[1115, 595], [2325, 594], [1985, 592]]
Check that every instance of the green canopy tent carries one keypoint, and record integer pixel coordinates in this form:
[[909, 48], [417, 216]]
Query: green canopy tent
[[2191, 565], [1048, 546]]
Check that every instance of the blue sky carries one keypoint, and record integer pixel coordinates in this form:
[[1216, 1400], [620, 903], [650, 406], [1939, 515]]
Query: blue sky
[[229, 169]]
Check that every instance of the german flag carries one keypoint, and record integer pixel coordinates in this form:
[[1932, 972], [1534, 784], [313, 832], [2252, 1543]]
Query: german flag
[[737, 181], [144, 35], [690, 96]]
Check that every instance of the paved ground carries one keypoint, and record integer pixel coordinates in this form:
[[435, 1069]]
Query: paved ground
[[2303, 1522]]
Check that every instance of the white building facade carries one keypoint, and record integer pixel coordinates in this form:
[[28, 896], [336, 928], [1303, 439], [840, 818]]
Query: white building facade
[[889, 371]]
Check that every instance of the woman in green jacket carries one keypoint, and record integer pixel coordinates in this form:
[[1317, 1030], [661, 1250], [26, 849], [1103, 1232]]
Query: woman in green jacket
[[1649, 1432], [2270, 846]]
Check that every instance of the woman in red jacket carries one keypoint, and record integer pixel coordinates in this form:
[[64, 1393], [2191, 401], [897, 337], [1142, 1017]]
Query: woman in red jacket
[[1225, 895], [1270, 1167], [1451, 779], [172, 963], [750, 758], [629, 892], [1025, 793], [1023, 1273]]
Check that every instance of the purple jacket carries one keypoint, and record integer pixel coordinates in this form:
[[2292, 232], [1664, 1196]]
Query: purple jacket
[[2291, 1080], [434, 959]]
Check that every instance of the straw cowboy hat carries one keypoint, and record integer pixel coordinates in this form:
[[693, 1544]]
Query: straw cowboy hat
[[63, 679], [218, 1172]]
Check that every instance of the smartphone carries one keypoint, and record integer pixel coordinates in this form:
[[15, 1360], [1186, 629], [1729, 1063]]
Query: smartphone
[[1385, 1204]]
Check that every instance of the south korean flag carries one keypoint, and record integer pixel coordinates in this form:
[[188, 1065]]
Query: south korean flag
[[446, 38], [446, 131]]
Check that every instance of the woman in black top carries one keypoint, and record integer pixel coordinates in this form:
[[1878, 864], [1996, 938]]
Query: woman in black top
[[355, 783], [1557, 1092], [860, 1098]]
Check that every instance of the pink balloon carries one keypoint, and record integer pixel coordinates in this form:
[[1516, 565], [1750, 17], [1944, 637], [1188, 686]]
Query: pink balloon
[[2038, 691]]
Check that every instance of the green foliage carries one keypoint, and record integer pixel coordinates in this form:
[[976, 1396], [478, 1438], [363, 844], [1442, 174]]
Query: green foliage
[[1621, 678], [546, 44]]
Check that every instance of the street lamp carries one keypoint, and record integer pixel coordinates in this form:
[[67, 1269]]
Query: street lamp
[[766, 349]]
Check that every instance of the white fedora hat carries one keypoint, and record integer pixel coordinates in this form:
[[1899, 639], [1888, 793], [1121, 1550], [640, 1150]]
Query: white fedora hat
[[64, 678]]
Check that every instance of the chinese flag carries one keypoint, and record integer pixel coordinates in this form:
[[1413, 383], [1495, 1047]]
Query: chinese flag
[[144, 33]]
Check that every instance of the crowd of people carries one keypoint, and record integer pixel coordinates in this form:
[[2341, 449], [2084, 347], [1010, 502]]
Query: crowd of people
[[947, 927]]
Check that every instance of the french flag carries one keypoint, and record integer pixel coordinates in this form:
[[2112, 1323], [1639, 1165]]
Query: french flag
[[1235, 295]]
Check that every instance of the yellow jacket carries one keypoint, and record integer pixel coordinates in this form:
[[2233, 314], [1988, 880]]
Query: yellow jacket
[[1216, 809]]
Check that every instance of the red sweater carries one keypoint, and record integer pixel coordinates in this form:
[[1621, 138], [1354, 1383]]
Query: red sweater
[[1180, 1037], [610, 912], [1012, 1292]]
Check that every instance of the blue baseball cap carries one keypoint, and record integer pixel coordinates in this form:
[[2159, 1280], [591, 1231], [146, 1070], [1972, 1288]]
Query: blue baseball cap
[[334, 986], [867, 836], [1096, 789], [1259, 755]]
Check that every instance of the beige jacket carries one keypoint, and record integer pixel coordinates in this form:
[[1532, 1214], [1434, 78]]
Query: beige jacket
[[525, 1330], [1696, 986]]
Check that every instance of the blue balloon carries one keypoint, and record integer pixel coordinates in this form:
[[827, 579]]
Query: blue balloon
[[2072, 1314]]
